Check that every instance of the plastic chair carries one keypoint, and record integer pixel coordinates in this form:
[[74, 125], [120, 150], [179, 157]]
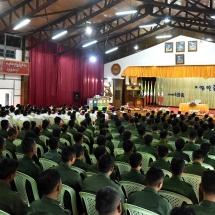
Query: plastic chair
[[3, 213], [115, 143], [130, 187], [72, 138], [66, 142], [86, 147], [91, 132], [93, 159], [88, 202], [146, 159], [17, 142], [172, 143], [80, 171], [7, 154], [19, 124], [134, 210], [189, 153], [89, 174], [72, 194], [20, 180], [211, 156], [169, 159], [95, 146], [40, 150], [167, 173], [118, 151], [194, 180], [45, 139], [38, 122], [51, 120], [122, 167], [174, 199], [207, 166], [19, 155], [47, 164]]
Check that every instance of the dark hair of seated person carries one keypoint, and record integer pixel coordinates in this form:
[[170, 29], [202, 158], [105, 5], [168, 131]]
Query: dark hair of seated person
[[177, 166], [77, 137], [68, 153], [26, 125], [45, 124], [30, 133], [154, 176], [4, 124], [198, 154], [57, 120], [7, 167], [27, 145], [135, 159], [108, 201], [148, 139], [128, 145], [106, 163], [101, 140], [11, 132], [183, 210], [99, 151], [48, 180], [53, 143], [79, 149], [179, 143], [162, 151], [56, 132], [208, 185]]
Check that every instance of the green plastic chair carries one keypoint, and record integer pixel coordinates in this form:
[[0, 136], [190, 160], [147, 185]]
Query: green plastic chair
[[86, 147], [122, 167], [88, 202], [118, 151], [89, 174], [20, 180], [17, 142], [80, 171], [72, 138], [167, 173], [189, 153], [47, 164], [7, 154], [3, 213], [207, 166], [134, 210], [146, 159], [66, 142], [45, 139], [93, 159], [19, 155]]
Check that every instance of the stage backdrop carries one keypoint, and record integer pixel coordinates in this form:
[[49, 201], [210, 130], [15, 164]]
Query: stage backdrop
[[182, 90]]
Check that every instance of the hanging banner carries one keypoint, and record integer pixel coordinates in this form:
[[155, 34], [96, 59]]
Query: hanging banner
[[11, 67]]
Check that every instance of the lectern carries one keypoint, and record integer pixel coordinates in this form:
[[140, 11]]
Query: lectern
[[140, 102]]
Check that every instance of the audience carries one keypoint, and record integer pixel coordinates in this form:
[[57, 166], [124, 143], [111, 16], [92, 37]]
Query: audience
[[9, 141], [2, 146], [128, 148], [190, 145], [163, 141]]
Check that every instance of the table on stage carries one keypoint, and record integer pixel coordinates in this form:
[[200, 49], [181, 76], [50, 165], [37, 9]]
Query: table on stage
[[184, 107]]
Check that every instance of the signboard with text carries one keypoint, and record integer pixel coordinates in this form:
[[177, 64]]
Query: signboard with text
[[11, 67]]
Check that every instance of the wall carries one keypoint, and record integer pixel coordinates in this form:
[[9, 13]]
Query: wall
[[13, 82], [155, 56]]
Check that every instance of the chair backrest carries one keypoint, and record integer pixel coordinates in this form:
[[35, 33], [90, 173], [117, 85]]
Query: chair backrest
[[20, 180], [38, 122], [80, 171], [194, 180], [174, 199], [90, 131], [51, 120], [118, 151], [129, 187], [19, 124], [167, 173], [146, 159], [93, 159], [66, 142], [17, 142], [45, 139], [40, 150], [134, 210], [3, 213], [47, 164], [7, 154], [89, 174], [169, 159], [189, 153], [86, 147], [87, 138], [95, 146], [72, 194], [122, 167], [211, 156], [19, 155], [72, 138], [89, 201], [207, 166], [115, 143]]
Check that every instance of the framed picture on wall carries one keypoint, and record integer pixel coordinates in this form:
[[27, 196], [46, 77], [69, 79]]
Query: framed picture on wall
[[180, 46], [179, 59], [168, 47], [192, 46]]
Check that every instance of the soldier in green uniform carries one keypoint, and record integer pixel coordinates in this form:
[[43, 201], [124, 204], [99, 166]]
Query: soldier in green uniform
[[45, 131], [163, 141], [102, 179], [79, 156], [160, 162], [190, 145], [208, 134], [147, 147], [176, 131], [196, 168], [10, 201], [9, 141], [121, 130], [155, 133], [64, 130], [126, 136], [205, 147], [212, 142], [176, 183], [4, 127], [2, 146], [128, 148], [50, 185], [149, 198], [135, 175], [207, 206], [200, 140], [72, 129], [37, 139], [56, 124], [140, 140], [26, 127]]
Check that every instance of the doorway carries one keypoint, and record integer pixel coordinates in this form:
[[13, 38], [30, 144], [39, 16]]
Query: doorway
[[6, 97]]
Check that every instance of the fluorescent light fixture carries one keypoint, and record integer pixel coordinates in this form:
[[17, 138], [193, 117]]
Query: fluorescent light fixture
[[136, 47], [92, 59], [212, 16], [163, 36], [126, 12], [111, 50], [89, 30], [166, 20], [209, 39], [59, 34], [147, 26], [90, 43], [21, 24]]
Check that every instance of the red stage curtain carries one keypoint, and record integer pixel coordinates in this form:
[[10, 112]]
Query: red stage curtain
[[54, 79]]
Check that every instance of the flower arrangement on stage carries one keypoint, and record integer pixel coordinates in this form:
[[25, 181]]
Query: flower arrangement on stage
[[192, 104]]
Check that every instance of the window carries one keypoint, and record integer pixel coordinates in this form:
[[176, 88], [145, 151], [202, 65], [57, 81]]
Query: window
[[10, 54]]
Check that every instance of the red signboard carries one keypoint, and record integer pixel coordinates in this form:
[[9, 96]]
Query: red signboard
[[11, 67]]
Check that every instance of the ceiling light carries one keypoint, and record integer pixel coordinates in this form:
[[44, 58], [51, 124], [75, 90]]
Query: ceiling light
[[59, 34], [88, 22], [147, 26], [126, 12], [166, 20], [212, 16], [90, 43], [209, 39], [111, 50], [136, 47], [89, 30], [163, 36], [21, 24], [92, 59], [109, 79]]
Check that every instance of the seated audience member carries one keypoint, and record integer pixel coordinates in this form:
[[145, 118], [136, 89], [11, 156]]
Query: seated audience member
[[4, 127], [79, 156], [37, 139], [108, 202], [9, 141], [56, 124], [26, 127], [190, 145], [98, 152], [64, 130], [56, 133], [126, 136], [121, 130], [196, 168], [207, 186], [10, 201], [140, 140], [128, 148], [175, 133], [102, 179], [72, 129], [135, 175], [200, 134], [163, 141], [52, 153], [155, 133], [178, 153], [160, 162], [45, 131], [147, 147], [208, 134], [183, 210], [50, 185], [212, 142], [101, 140], [176, 183], [153, 201], [205, 148]]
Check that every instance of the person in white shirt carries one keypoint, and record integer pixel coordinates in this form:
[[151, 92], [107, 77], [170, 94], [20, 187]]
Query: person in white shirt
[[17, 115], [24, 117]]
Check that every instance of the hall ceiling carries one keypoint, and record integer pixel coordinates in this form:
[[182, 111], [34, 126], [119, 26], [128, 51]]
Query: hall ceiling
[[50, 16]]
